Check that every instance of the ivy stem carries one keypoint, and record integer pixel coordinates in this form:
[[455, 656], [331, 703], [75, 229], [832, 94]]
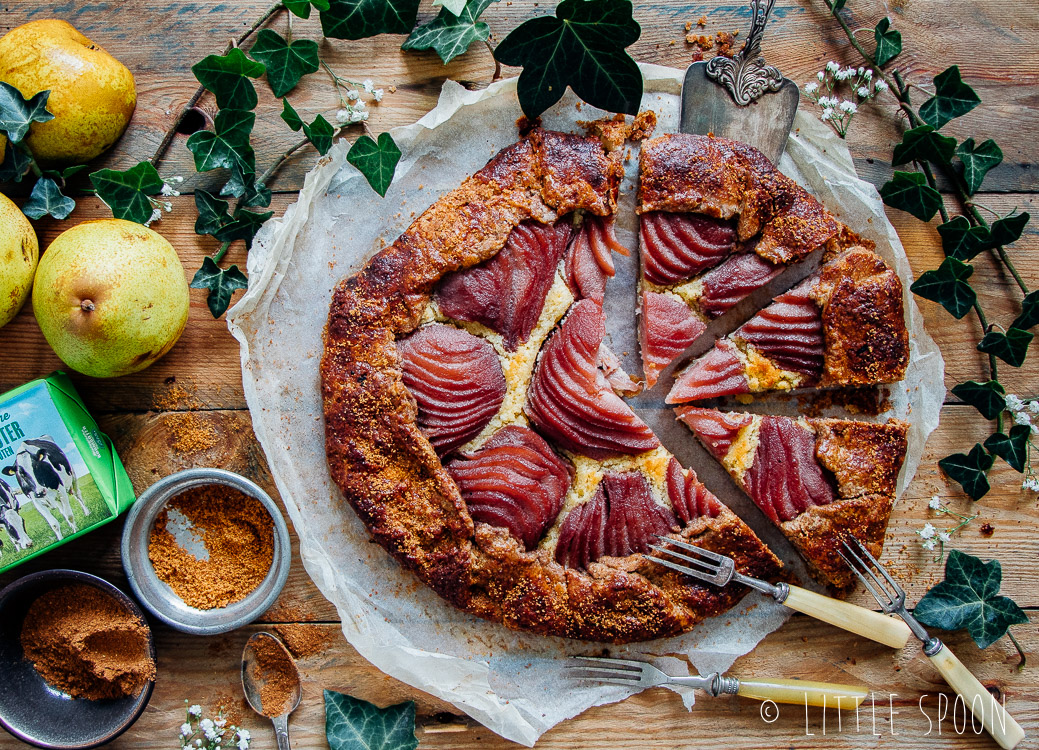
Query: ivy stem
[[171, 133], [497, 65], [262, 179], [219, 254], [1020, 651]]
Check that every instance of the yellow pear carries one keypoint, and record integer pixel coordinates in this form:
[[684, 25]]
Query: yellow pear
[[19, 252], [110, 297], [92, 94]]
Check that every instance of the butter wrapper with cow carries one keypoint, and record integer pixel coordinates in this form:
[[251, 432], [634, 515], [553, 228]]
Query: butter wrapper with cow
[[60, 476]]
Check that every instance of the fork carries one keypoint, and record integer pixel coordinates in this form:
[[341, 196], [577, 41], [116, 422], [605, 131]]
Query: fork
[[643, 674], [892, 598], [720, 570]]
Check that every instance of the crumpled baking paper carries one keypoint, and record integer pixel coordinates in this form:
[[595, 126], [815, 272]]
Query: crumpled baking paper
[[509, 681]]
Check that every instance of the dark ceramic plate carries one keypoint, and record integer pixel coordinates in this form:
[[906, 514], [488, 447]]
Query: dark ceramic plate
[[32, 710]]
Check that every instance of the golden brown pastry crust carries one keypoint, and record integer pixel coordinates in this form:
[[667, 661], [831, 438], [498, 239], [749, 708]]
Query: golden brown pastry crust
[[389, 472]]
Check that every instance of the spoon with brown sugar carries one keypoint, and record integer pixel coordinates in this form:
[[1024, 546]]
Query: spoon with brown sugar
[[271, 682]]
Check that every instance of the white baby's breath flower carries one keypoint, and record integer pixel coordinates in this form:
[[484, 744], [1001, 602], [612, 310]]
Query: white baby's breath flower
[[358, 116], [377, 95], [367, 85], [244, 734], [1033, 406], [929, 544], [880, 86], [820, 76], [861, 70], [353, 95], [1031, 483], [868, 74], [185, 729], [811, 87], [848, 106], [198, 742], [826, 115], [360, 105], [927, 532], [1014, 403], [862, 91], [935, 503], [832, 66], [342, 116], [195, 710], [205, 725], [944, 536], [156, 216], [243, 744], [1023, 418], [168, 190]]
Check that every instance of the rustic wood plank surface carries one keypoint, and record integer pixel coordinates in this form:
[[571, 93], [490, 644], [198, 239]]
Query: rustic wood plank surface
[[196, 390]]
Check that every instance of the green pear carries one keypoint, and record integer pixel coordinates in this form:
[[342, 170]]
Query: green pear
[[19, 252], [110, 297]]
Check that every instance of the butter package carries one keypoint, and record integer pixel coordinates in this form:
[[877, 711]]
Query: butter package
[[60, 476]]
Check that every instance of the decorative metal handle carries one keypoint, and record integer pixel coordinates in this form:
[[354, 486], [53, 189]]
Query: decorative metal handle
[[745, 75]]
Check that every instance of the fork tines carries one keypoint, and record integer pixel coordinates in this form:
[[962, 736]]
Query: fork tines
[[603, 669], [703, 564], [888, 593]]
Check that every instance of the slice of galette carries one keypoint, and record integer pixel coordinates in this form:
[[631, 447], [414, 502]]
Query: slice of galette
[[843, 326], [717, 221], [816, 479]]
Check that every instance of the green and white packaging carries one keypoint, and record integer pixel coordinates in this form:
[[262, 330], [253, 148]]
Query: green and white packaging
[[60, 476]]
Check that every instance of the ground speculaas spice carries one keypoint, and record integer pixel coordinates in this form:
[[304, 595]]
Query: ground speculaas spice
[[84, 642], [238, 534], [276, 673]]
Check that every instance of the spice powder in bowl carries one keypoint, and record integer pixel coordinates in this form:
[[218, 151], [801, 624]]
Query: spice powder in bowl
[[231, 536], [85, 643]]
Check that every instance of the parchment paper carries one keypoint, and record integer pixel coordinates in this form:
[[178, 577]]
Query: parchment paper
[[510, 682]]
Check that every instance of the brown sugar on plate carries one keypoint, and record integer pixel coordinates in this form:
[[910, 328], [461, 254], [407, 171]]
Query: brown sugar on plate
[[238, 536], [84, 642]]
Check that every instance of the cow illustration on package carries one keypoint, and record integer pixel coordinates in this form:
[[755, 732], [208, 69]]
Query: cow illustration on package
[[45, 477], [10, 519]]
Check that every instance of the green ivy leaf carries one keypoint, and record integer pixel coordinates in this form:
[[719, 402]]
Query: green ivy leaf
[[1011, 448], [320, 134], [220, 282], [127, 193], [838, 5], [1029, 312], [985, 397], [962, 241], [952, 98], [359, 19], [227, 145], [1008, 230], [909, 191], [947, 285], [977, 161], [46, 198], [582, 46], [301, 8], [255, 195], [969, 470], [15, 165], [450, 34], [286, 62], [354, 724], [455, 6], [889, 42], [227, 76], [924, 144], [969, 598], [17, 114], [290, 116], [212, 213], [375, 160], [213, 218], [1011, 347]]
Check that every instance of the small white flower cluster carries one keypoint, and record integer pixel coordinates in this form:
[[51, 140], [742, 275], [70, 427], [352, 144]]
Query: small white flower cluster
[[1025, 413], [199, 733], [838, 112], [168, 190], [354, 109], [931, 536]]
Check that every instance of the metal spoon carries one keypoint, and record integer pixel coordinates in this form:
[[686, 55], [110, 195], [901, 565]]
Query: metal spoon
[[255, 677]]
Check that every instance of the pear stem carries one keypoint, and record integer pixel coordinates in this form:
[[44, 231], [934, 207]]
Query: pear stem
[[171, 133]]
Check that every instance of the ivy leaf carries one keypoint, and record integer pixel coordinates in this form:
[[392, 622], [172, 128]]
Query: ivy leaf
[[213, 218], [227, 145], [320, 134], [17, 114], [15, 164], [450, 33], [375, 160], [889, 42], [909, 191], [212, 213], [1008, 230], [1029, 312], [952, 98], [227, 76], [220, 282], [969, 470], [977, 161], [985, 397], [838, 5], [1011, 347], [127, 193], [947, 285], [455, 6], [354, 724], [301, 8], [359, 19], [1013, 448], [582, 46], [286, 62], [962, 241], [46, 198], [924, 144], [290, 115], [969, 598], [256, 195]]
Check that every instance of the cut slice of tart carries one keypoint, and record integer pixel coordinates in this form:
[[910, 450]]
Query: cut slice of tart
[[816, 479], [717, 221], [843, 326]]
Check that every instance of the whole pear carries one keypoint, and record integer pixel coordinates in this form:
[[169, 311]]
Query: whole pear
[[19, 253], [110, 297], [92, 94]]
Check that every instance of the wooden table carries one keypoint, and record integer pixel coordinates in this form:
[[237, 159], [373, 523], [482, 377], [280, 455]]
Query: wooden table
[[196, 390]]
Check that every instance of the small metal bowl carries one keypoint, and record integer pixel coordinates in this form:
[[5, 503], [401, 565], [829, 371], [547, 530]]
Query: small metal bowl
[[37, 713], [158, 598]]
